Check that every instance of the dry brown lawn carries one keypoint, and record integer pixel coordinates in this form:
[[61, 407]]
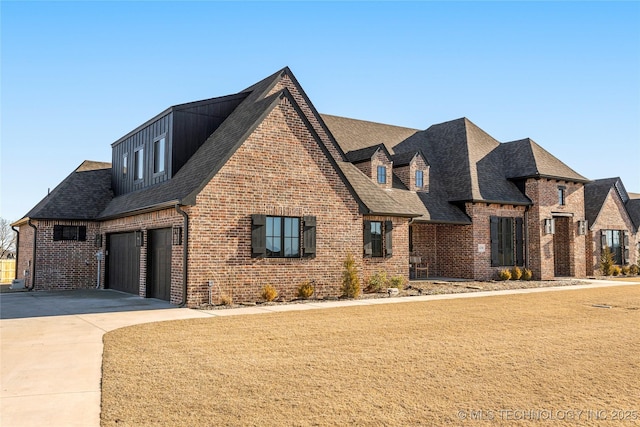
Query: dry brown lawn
[[550, 356]]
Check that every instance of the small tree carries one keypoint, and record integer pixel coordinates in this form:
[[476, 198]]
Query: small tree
[[7, 238], [350, 281], [606, 261]]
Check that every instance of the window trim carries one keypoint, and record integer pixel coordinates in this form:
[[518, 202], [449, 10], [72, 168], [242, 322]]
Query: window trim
[[138, 164], [381, 174], [507, 241], [419, 172], [159, 169], [62, 232], [370, 244], [306, 237], [562, 196]]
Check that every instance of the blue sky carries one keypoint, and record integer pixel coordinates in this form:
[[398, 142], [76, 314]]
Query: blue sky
[[78, 75]]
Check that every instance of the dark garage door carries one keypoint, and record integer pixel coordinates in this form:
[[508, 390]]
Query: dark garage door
[[159, 264], [123, 263]]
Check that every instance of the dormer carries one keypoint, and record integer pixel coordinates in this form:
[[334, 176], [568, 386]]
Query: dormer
[[375, 162], [412, 169], [156, 150]]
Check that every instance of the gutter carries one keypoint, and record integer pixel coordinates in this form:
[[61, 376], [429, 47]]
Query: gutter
[[17, 231], [33, 264], [185, 253]]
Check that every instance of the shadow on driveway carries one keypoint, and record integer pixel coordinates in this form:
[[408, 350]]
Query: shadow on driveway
[[82, 301]]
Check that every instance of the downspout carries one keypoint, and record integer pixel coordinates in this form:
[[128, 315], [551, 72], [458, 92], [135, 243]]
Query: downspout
[[185, 253], [17, 231], [33, 264]]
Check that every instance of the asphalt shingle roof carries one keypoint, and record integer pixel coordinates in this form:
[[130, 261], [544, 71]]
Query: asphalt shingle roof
[[596, 192], [210, 157], [526, 159], [80, 196]]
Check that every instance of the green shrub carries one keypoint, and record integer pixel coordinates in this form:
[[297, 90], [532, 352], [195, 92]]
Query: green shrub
[[269, 293], [606, 262], [306, 290], [616, 270], [377, 282], [350, 281], [527, 274], [634, 269], [516, 273], [504, 274], [398, 282], [625, 270]]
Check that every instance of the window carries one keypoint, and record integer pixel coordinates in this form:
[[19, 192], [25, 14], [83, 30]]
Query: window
[[138, 160], [507, 244], [382, 174], [375, 245], [158, 156], [125, 160], [69, 232], [419, 179], [618, 243], [561, 196], [279, 237]]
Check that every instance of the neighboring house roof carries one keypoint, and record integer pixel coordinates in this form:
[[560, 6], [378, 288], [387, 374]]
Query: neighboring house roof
[[595, 195], [80, 196], [526, 159]]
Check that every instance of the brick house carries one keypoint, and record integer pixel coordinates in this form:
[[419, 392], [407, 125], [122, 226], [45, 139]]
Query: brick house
[[222, 196], [614, 218]]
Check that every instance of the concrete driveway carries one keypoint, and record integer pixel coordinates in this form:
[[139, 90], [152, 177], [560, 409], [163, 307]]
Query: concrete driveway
[[51, 351]]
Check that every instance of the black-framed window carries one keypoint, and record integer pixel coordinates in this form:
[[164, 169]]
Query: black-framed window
[[618, 243], [382, 174], [419, 179], [138, 164], [507, 243], [159, 155], [561, 195], [378, 238], [70, 232], [283, 237]]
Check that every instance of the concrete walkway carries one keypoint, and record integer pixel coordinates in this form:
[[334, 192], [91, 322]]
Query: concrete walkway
[[51, 353]]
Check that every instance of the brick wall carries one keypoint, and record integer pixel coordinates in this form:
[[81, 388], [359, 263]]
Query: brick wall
[[480, 214], [613, 216], [398, 263], [446, 248], [280, 170], [166, 218], [59, 265], [24, 263], [541, 252], [407, 174]]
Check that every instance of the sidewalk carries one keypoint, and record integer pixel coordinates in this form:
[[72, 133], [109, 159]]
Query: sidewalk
[[51, 355]]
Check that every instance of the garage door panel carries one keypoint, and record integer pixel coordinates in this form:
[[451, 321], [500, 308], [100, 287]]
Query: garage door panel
[[123, 263]]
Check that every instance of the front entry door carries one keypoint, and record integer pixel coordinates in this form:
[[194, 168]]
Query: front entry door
[[159, 264]]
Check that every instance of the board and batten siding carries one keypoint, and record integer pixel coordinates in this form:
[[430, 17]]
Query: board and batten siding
[[143, 138]]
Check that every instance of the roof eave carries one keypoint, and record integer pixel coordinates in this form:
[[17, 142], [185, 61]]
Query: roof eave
[[143, 210], [557, 178]]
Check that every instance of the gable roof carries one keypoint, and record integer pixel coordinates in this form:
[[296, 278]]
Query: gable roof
[[365, 154], [404, 159], [80, 196], [596, 192], [526, 159], [213, 153]]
